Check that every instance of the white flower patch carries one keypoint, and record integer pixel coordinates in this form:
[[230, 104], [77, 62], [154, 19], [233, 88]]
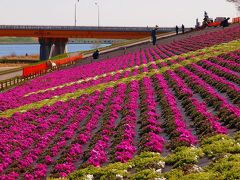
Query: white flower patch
[[89, 177], [159, 171], [193, 147], [162, 178], [161, 164], [80, 81], [120, 71], [119, 177], [196, 168], [88, 79], [71, 84], [155, 70]]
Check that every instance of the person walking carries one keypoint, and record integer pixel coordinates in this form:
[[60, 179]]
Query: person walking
[[96, 54], [176, 29], [183, 29], [154, 35]]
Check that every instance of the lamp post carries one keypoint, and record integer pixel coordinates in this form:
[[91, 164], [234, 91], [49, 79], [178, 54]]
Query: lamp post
[[75, 21], [96, 3]]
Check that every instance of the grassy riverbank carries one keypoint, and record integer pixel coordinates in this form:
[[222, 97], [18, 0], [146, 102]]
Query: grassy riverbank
[[17, 40]]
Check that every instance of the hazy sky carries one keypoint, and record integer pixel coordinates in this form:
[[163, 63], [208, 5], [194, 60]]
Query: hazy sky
[[112, 12]]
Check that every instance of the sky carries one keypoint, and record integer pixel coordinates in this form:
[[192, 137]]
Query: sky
[[164, 13]]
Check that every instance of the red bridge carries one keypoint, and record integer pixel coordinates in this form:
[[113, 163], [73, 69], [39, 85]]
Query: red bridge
[[58, 35]]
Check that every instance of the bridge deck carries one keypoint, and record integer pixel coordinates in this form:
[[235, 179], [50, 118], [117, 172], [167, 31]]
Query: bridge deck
[[79, 31], [85, 28]]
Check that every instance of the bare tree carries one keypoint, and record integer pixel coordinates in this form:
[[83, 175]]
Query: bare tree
[[236, 2]]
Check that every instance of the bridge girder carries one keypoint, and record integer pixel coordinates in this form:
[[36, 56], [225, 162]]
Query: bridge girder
[[59, 35], [79, 32]]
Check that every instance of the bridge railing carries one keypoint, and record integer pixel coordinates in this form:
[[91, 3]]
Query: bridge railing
[[85, 28], [6, 84]]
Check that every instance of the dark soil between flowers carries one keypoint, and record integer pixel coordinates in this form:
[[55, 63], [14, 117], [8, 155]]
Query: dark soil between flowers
[[203, 162]]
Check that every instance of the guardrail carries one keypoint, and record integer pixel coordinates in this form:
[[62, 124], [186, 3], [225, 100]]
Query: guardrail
[[6, 84], [86, 28], [62, 63], [236, 20]]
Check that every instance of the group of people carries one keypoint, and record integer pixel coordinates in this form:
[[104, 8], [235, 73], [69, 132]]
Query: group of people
[[225, 22], [183, 29], [154, 33]]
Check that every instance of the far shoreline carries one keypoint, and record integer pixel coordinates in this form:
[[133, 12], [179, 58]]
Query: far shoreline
[[30, 43], [17, 43]]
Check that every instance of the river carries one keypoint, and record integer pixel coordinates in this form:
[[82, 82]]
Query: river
[[22, 49]]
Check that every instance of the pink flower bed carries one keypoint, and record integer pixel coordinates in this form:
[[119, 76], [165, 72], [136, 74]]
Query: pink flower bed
[[156, 113]]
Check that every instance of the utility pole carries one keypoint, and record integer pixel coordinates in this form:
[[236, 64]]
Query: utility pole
[[97, 4], [75, 20]]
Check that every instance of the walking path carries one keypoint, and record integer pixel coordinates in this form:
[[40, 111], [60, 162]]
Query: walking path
[[6, 68]]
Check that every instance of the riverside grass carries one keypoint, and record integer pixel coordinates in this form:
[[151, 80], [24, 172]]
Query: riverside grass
[[197, 56]]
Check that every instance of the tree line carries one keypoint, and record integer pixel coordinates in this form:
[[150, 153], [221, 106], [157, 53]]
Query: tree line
[[236, 2]]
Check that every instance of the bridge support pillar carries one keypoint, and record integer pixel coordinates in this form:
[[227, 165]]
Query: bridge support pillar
[[59, 46], [50, 47], [45, 47]]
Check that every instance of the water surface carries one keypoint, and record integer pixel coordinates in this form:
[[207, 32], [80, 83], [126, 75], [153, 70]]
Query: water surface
[[22, 49]]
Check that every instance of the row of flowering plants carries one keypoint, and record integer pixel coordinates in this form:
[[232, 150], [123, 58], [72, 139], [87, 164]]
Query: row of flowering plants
[[97, 153], [149, 120], [234, 66], [174, 124], [124, 147], [220, 83], [204, 121], [221, 71], [227, 112]]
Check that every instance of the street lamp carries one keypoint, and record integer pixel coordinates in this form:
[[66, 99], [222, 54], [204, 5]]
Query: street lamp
[[75, 22], [96, 3]]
